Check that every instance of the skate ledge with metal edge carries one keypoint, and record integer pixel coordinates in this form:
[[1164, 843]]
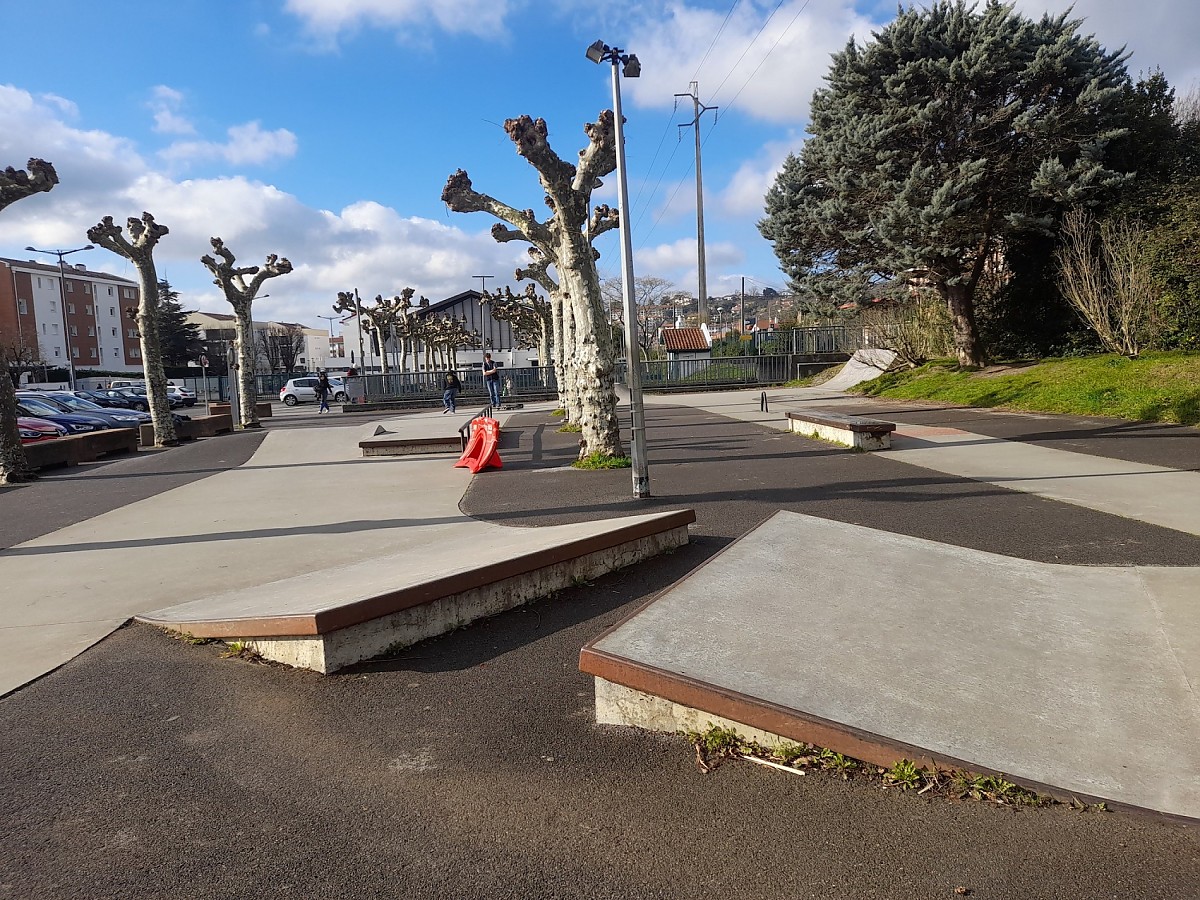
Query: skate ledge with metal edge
[[332, 618]]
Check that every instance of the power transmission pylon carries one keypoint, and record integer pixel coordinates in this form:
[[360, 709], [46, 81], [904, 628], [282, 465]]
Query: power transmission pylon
[[698, 110]]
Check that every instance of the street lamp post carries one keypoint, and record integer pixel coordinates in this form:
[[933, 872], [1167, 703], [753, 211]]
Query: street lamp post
[[329, 348], [62, 293], [600, 52]]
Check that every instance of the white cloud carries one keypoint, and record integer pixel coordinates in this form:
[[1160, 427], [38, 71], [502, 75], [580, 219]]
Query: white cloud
[[745, 192], [248, 144], [764, 68], [327, 20], [676, 261], [165, 103], [365, 244]]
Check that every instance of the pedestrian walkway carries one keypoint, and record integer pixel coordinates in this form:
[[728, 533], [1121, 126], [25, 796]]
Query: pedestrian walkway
[[307, 502]]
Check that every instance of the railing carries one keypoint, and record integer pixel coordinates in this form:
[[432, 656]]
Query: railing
[[814, 340]]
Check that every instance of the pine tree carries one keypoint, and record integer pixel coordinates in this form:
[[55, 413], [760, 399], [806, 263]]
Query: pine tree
[[955, 128], [180, 338]]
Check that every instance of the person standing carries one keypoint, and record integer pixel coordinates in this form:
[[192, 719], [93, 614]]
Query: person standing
[[453, 386], [491, 377], [324, 389]]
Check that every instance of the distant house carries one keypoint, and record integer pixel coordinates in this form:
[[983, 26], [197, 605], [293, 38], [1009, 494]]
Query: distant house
[[687, 343]]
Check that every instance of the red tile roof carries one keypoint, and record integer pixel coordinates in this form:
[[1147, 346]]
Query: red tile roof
[[684, 340]]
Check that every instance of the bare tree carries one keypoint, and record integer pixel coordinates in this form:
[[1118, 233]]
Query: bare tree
[[280, 345], [564, 241], [231, 280], [1107, 277], [654, 298], [529, 316], [138, 248]]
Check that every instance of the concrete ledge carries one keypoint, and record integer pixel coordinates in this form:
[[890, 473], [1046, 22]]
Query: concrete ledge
[[191, 429], [80, 448], [856, 432], [391, 445], [376, 608], [263, 408]]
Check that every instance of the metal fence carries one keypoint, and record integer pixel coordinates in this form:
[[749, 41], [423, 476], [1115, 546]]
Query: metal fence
[[819, 339]]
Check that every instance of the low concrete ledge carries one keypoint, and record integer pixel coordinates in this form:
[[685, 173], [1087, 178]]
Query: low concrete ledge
[[191, 429], [80, 448], [330, 619], [391, 445], [857, 432], [263, 408]]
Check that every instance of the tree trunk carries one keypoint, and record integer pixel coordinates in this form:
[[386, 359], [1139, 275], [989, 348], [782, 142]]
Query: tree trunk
[[151, 347], [383, 350], [593, 357], [560, 370], [247, 380], [960, 303], [14, 466]]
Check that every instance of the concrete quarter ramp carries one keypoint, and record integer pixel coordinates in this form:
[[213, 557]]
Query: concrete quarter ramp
[[1077, 680], [862, 366]]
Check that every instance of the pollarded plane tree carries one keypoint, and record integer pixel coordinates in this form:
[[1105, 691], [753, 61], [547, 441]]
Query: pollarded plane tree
[[231, 279], [528, 315], [37, 177], [564, 240], [443, 336], [408, 327], [138, 248], [956, 129], [349, 303]]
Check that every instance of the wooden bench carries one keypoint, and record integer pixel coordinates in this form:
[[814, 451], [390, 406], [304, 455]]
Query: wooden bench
[[856, 432]]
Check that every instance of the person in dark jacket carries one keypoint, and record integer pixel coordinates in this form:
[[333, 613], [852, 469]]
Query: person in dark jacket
[[324, 389], [453, 386]]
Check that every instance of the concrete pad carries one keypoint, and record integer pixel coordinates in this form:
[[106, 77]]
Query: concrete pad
[[1069, 677]]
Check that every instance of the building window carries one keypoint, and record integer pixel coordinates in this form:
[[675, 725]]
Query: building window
[[116, 352], [133, 332], [93, 353], [135, 353], [110, 294], [74, 331], [112, 310], [53, 306], [75, 352], [54, 327], [70, 287], [22, 306], [43, 328], [56, 353], [87, 289], [87, 310], [91, 331], [114, 331]]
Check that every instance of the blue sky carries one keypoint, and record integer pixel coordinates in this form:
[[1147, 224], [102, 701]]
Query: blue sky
[[324, 130]]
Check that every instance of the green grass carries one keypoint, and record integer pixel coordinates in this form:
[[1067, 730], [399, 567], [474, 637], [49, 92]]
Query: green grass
[[1158, 387], [600, 461]]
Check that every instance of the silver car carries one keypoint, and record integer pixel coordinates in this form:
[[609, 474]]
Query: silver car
[[304, 390]]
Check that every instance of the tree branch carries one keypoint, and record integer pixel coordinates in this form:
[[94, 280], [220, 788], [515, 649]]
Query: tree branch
[[599, 158], [460, 196], [16, 184]]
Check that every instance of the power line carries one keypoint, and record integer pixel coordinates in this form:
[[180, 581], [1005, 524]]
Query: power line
[[716, 37]]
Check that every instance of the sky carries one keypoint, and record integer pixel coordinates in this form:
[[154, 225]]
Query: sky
[[324, 130]]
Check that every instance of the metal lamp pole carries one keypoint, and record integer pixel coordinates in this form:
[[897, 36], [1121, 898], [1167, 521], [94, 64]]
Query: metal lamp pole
[[597, 53], [329, 348], [62, 293]]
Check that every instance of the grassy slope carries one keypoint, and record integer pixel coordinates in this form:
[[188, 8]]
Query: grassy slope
[[1160, 387]]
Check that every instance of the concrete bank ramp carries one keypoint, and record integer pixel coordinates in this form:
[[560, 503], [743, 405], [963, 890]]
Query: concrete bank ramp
[[1080, 681], [862, 366]]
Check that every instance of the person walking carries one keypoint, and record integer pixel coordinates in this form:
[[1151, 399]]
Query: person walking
[[453, 386], [491, 377], [324, 389]]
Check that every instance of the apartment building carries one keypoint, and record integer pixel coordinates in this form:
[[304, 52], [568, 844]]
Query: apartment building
[[74, 317], [279, 346]]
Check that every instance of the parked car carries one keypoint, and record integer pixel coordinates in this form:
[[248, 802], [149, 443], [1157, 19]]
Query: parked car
[[34, 430], [127, 398], [186, 397], [118, 418], [173, 400], [75, 423], [102, 398], [304, 390], [118, 384]]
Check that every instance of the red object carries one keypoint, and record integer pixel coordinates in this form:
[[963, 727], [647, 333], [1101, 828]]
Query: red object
[[34, 430], [483, 448]]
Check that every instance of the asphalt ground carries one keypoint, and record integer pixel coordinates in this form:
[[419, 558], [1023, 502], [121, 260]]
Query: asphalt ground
[[470, 765]]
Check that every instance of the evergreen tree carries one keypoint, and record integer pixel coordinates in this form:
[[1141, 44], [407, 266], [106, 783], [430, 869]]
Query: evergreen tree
[[180, 339], [953, 131]]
